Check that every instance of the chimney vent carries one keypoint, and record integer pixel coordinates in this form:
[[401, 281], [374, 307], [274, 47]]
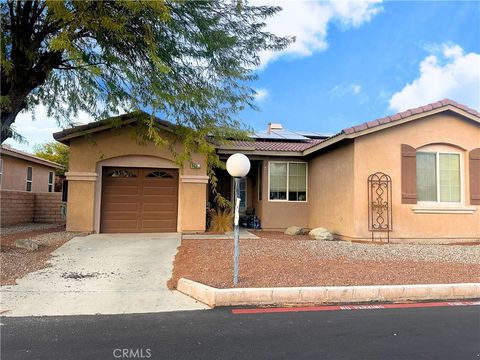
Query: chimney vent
[[274, 126]]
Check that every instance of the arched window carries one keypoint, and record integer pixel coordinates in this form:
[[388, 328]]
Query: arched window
[[121, 173], [159, 174]]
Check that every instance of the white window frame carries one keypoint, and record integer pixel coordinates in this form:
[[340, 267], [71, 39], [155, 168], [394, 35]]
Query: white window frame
[[29, 181], [439, 203], [52, 184], [288, 180]]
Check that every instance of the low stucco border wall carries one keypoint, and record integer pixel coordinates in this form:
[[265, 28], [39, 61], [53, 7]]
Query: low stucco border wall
[[326, 294], [396, 240]]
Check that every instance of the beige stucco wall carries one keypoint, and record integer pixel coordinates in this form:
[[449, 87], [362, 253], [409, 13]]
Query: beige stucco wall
[[331, 179], [380, 151], [80, 205], [278, 215], [120, 148], [338, 192], [14, 175]]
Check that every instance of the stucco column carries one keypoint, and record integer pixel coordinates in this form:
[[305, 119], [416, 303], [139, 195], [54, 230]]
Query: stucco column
[[193, 203], [80, 202]]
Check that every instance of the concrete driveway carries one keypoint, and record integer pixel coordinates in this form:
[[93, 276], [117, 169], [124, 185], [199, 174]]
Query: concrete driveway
[[102, 274]]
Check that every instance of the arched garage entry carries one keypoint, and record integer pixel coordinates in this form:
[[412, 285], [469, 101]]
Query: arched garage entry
[[137, 194]]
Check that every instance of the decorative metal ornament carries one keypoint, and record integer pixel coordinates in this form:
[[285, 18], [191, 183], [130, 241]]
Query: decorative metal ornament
[[380, 204]]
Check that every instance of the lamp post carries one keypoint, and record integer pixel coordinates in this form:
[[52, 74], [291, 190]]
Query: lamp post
[[238, 166]]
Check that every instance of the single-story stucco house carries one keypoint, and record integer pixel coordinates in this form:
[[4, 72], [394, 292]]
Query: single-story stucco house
[[415, 174], [22, 171]]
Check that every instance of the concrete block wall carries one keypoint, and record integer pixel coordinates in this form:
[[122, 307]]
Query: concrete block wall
[[48, 208], [18, 207]]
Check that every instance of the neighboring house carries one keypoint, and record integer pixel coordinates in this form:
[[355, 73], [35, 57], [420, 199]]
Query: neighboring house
[[22, 171], [431, 154]]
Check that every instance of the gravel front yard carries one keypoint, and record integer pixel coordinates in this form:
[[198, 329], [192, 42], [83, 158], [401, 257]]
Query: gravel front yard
[[16, 263], [280, 260]]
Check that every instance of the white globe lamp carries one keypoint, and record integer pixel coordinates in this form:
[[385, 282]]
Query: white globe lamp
[[238, 165]]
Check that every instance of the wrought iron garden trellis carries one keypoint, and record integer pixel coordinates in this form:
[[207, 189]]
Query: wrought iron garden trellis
[[380, 204]]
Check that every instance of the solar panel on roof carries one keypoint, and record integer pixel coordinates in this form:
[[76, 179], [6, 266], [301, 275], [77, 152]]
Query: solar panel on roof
[[290, 135], [279, 135], [313, 134], [268, 135]]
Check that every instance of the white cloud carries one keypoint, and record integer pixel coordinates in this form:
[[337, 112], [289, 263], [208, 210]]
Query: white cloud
[[356, 88], [452, 51], [261, 94], [448, 73], [342, 90], [38, 128], [308, 21]]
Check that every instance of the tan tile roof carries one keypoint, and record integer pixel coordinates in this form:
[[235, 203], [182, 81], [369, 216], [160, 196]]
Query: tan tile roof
[[8, 150], [357, 130], [299, 146], [272, 145], [407, 113]]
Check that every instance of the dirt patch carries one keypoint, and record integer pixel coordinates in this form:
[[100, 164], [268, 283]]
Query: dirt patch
[[16, 263], [79, 276], [282, 260]]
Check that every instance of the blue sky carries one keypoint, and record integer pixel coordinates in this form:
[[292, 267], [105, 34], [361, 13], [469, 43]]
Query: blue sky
[[352, 62], [354, 79]]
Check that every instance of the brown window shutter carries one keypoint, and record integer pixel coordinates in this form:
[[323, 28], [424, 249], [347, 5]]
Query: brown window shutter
[[409, 175], [474, 160]]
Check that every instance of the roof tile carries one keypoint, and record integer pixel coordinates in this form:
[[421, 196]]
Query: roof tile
[[384, 120], [405, 114], [360, 127], [417, 110], [395, 117], [409, 112], [272, 145], [8, 150]]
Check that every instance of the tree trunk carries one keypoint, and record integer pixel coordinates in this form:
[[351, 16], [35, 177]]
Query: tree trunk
[[7, 119], [9, 113], [6, 132]]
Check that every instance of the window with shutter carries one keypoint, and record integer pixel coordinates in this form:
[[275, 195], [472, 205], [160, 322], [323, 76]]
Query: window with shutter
[[439, 177]]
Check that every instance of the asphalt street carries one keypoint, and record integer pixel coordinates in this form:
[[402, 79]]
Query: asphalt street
[[417, 333]]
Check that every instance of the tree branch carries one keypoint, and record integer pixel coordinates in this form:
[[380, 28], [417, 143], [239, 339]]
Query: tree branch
[[27, 7], [12, 16]]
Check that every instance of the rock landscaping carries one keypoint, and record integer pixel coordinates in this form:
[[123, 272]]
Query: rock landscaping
[[27, 247], [277, 259], [321, 234], [295, 230], [26, 244]]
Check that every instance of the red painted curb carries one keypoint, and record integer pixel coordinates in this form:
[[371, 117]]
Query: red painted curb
[[354, 307]]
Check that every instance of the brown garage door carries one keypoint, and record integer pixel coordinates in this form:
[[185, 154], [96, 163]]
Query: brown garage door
[[139, 200]]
